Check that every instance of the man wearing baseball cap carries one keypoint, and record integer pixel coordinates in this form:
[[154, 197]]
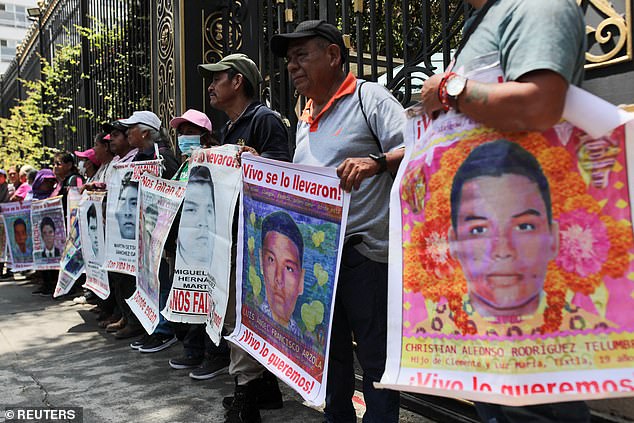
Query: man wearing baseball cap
[[233, 89], [356, 127]]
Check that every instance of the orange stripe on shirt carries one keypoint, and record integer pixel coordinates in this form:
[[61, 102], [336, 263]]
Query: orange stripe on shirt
[[348, 87]]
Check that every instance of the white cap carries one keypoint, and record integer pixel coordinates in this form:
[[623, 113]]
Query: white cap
[[145, 117]]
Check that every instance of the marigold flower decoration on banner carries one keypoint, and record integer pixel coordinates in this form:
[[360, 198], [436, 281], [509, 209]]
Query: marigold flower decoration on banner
[[592, 245]]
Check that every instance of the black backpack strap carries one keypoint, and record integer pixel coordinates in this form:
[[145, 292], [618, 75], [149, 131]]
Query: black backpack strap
[[365, 116]]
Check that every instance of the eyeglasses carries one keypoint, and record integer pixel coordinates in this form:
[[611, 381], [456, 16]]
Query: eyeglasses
[[58, 163]]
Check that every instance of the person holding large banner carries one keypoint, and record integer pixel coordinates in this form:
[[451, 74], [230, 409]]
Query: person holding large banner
[[144, 132], [508, 79], [356, 127], [200, 353], [234, 83], [113, 318]]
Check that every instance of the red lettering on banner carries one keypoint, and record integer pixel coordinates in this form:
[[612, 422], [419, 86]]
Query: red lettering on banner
[[290, 373], [180, 300], [200, 302]]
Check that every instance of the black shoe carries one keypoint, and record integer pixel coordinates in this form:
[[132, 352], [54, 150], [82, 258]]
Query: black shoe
[[157, 342], [139, 342], [188, 362], [243, 408], [267, 392], [211, 367], [42, 292]]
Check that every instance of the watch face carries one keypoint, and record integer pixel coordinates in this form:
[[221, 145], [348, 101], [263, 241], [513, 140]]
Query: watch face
[[456, 85]]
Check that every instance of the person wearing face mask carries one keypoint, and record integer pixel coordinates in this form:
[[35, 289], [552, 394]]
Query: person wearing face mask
[[194, 131], [88, 164]]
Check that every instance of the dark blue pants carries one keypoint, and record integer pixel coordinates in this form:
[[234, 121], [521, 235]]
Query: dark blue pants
[[197, 344], [165, 285], [569, 412], [360, 311]]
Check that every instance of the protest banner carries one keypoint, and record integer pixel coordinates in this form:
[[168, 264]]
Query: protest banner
[[200, 286], [290, 235], [159, 200], [4, 255], [91, 229], [72, 202], [72, 262], [17, 226], [511, 259], [49, 232], [122, 213]]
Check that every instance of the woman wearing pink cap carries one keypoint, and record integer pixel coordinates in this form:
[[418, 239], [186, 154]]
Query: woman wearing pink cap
[[194, 131], [87, 163]]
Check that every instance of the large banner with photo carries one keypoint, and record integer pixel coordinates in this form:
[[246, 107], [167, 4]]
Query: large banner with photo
[[92, 233], [49, 232], [122, 213], [159, 201], [290, 235], [511, 259], [17, 226], [200, 289], [72, 262]]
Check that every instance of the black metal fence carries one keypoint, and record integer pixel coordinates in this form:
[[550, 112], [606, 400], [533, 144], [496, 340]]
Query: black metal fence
[[398, 43], [124, 65]]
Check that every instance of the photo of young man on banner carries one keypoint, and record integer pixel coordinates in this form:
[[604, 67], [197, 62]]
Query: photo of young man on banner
[[159, 201], [289, 245], [122, 213], [200, 287], [17, 220], [91, 227], [49, 232], [522, 237], [72, 262]]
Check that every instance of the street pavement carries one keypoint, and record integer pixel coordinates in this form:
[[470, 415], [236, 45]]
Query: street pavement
[[52, 354]]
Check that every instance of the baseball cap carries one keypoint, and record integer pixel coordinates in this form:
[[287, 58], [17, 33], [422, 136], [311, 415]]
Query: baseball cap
[[312, 28], [144, 117], [192, 116], [90, 155], [3, 172], [114, 125], [238, 61]]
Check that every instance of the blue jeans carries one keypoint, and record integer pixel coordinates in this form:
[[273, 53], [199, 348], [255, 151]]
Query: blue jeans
[[569, 412], [165, 285], [360, 310]]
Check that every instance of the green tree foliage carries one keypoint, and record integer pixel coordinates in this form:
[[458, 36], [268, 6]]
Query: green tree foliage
[[21, 132]]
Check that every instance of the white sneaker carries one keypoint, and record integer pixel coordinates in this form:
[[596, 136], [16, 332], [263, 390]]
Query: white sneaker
[[80, 300]]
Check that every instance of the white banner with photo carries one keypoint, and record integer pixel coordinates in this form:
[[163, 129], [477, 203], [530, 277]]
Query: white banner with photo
[[159, 201], [17, 226], [72, 263], [203, 261], [122, 214], [91, 228], [290, 237], [49, 232]]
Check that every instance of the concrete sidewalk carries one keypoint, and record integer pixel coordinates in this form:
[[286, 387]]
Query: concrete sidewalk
[[52, 354]]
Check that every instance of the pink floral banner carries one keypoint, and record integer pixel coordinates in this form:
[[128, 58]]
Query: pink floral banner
[[512, 263]]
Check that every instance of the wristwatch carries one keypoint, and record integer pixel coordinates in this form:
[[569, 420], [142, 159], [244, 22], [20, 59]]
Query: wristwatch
[[455, 85], [381, 159]]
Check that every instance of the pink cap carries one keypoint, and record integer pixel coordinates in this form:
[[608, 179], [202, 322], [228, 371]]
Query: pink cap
[[192, 116], [90, 155], [107, 137]]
